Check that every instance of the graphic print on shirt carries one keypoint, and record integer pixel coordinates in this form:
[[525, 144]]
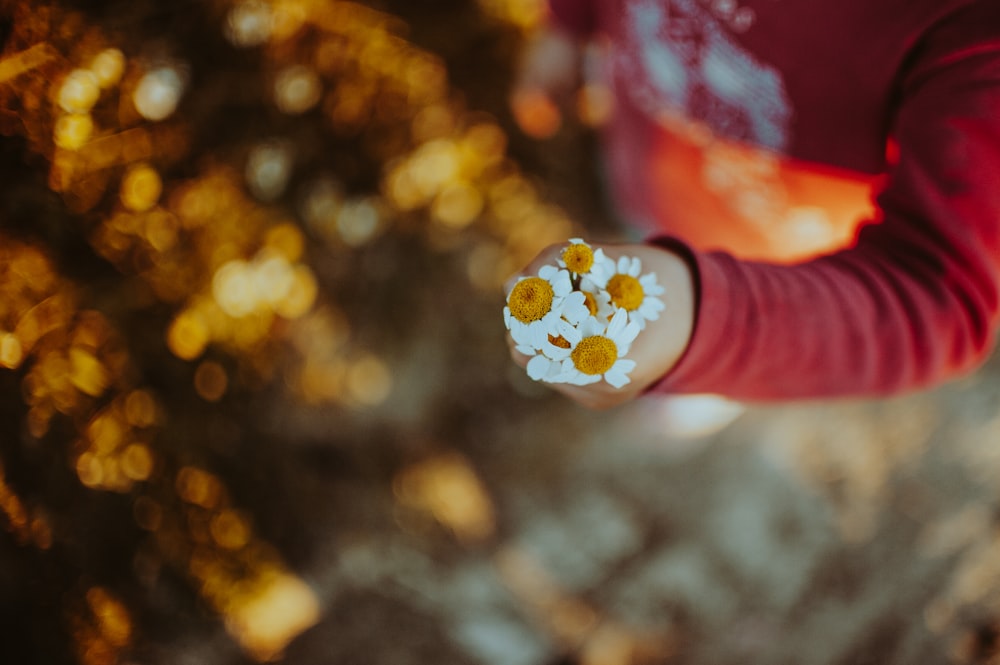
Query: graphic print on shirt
[[682, 65], [681, 61]]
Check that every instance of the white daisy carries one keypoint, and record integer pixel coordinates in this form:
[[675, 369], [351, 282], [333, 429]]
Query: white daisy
[[635, 294], [587, 353], [536, 304], [580, 259], [598, 302]]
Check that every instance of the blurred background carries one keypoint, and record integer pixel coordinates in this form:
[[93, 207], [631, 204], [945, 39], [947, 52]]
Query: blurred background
[[256, 403]]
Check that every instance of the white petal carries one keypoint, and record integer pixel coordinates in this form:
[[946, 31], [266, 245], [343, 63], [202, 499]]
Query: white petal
[[591, 326], [636, 267], [623, 264], [581, 379], [617, 376], [538, 367], [561, 284], [556, 353], [627, 336], [506, 317], [537, 336], [649, 311], [617, 324], [525, 349], [648, 281], [577, 241], [574, 308], [570, 333], [520, 332]]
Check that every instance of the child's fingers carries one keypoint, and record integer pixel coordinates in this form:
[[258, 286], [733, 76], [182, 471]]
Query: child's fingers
[[518, 357], [549, 255]]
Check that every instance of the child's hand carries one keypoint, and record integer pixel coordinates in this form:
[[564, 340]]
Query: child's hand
[[546, 82], [660, 344]]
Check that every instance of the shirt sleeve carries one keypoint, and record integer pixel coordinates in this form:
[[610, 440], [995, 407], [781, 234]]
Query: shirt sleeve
[[576, 16], [915, 301]]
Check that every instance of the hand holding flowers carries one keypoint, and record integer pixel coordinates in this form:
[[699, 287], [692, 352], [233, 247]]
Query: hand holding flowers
[[576, 313]]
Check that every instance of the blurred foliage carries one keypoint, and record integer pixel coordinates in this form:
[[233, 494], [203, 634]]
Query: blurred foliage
[[216, 216]]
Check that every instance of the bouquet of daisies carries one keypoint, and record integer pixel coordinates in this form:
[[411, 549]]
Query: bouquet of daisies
[[577, 319]]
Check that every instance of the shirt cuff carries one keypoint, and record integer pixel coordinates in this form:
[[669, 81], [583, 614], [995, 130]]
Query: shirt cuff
[[715, 320]]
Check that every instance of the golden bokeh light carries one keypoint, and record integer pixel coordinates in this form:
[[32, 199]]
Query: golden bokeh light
[[286, 239], [90, 470], [230, 529], [137, 462], [13, 509], [210, 381], [268, 169], [457, 205], [141, 188], [435, 121], [73, 130], [108, 67], [358, 221], [594, 104], [160, 230], [158, 92], [369, 381], [233, 288], [297, 89], [524, 14], [113, 618], [249, 23], [320, 206], [272, 615], [448, 488], [536, 113], [140, 409], [198, 487], [79, 91], [288, 17], [87, 373], [300, 296], [11, 352], [188, 335]]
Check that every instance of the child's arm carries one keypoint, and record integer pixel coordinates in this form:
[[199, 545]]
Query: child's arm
[[917, 300], [914, 303]]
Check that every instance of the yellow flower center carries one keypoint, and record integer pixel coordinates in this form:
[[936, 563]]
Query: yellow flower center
[[578, 258], [591, 302], [625, 291], [559, 341], [530, 299], [594, 355]]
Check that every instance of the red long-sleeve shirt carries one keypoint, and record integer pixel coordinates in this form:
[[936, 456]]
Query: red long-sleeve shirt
[[751, 136]]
